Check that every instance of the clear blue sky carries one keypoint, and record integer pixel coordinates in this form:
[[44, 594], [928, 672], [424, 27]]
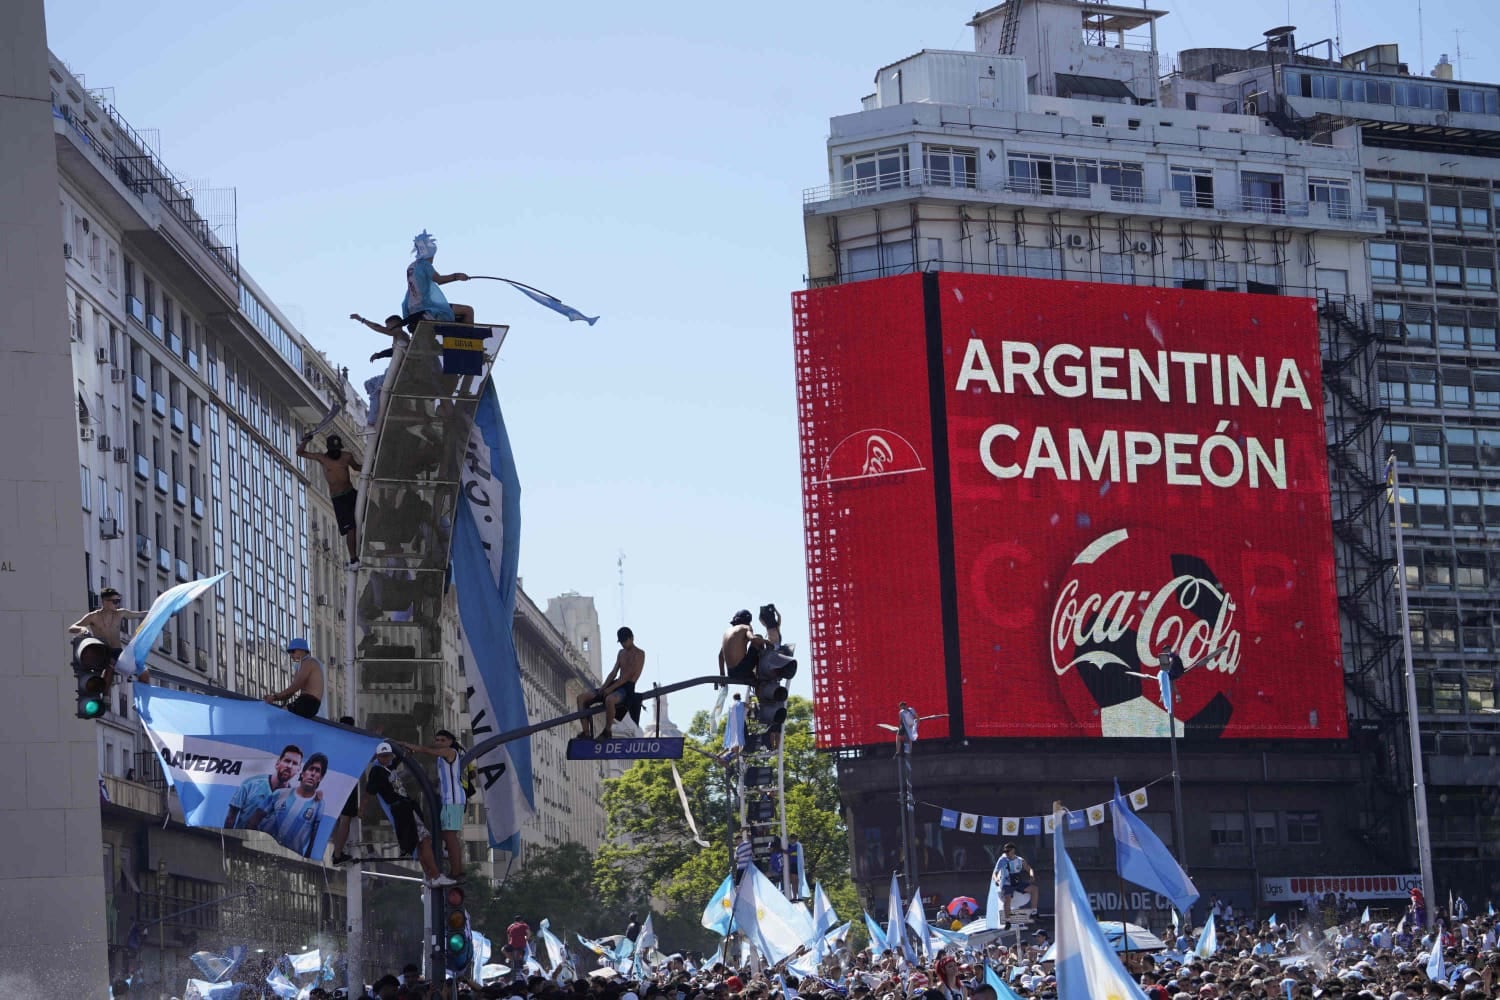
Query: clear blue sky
[[640, 161]]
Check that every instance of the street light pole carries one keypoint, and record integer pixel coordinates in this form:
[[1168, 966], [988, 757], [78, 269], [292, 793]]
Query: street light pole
[[906, 797]]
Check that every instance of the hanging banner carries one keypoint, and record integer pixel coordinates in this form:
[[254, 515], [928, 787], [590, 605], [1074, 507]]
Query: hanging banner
[[486, 551], [245, 765]]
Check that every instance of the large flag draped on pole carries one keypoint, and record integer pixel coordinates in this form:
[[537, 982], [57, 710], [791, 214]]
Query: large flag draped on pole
[[823, 915], [138, 649], [1142, 858], [556, 954], [994, 913], [486, 552], [1087, 967], [719, 912], [895, 919], [242, 764], [877, 936], [773, 923], [916, 924]]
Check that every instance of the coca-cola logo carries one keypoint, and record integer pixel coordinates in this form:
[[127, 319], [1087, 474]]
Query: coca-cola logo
[[1128, 599], [871, 453]]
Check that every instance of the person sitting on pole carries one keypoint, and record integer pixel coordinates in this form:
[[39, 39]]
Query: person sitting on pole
[[424, 299], [617, 694]]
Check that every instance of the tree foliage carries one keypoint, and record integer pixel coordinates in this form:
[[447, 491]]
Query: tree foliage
[[650, 860]]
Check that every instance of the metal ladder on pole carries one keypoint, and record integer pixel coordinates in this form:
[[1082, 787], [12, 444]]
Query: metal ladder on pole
[[1009, 27]]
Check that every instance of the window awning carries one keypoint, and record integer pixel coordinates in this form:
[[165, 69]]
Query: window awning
[[1072, 85]]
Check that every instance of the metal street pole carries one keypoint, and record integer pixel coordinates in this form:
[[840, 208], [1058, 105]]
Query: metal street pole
[[1413, 724], [1178, 825]]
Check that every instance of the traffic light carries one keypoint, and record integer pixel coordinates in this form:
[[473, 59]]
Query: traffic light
[[772, 670], [90, 662], [458, 942]]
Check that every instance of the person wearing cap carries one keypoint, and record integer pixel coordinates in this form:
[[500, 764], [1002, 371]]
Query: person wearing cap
[[740, 649], [617, 694], [305, 693], [405, 816]]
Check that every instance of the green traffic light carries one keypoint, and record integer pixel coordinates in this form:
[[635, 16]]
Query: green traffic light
[[91, 708], [455, 942]]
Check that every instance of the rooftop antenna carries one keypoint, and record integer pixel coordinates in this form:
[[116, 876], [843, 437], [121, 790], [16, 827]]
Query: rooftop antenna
[[1458, 51], [1421, 42], [620, 566], [1338, 28]]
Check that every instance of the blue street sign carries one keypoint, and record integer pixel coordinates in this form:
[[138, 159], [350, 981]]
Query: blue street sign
[[639, 748]]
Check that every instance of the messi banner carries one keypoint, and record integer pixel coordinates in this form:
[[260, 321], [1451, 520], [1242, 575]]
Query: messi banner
[[244, 765], [486, 551]]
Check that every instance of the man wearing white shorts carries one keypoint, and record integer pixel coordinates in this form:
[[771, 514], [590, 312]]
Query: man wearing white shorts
[[447, 751]]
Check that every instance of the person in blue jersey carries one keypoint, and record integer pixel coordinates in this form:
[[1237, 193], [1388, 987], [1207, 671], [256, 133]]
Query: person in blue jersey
[[450, 783], [256, 793], [1013, 874], [296, 813], [424, 298]]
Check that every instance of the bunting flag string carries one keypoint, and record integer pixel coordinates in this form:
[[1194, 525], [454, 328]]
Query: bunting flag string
[[1042, 823]]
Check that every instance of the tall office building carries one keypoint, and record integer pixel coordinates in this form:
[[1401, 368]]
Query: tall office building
[[1052, 152]]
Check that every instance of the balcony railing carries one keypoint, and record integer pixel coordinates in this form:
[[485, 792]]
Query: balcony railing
[[158, 404], [179, 420], [136, 309], [138, 388], [162, 481], [142, 467], [143, 547], [174, 343], [192, 360], [195, 433], [890, 181], [198, 507], [153, 323], [164, 560], [179, 494]]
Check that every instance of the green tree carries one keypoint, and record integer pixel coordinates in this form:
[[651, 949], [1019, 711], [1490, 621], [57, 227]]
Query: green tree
[[650, 858]]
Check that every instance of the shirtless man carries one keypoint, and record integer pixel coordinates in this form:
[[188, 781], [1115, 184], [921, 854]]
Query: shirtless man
[[337, 465], [306, 690], [740, 649], [107, 624], [618, 692], [394, 328]]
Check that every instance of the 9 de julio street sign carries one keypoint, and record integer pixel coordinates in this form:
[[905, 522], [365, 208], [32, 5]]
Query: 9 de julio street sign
[[639, 748]]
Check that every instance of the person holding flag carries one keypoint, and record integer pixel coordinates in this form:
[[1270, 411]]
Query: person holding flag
[[107, 624]]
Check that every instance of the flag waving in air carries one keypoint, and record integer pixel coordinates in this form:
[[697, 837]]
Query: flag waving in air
[[133, 658], [1087, 966], [1142, 858]]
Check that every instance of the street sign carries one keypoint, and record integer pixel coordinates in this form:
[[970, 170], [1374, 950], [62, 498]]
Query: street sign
[[637, 748]]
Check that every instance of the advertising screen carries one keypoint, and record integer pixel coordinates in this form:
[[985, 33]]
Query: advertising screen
[[864, 411], [1137, 472]]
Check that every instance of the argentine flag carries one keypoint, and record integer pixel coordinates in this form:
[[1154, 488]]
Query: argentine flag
[[718, 915], [877, 936], [1087, 967], [1208, 941], [138, 650]]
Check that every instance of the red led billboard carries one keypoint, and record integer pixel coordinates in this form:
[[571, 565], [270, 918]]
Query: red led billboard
[[868, 503], [1122, 472]]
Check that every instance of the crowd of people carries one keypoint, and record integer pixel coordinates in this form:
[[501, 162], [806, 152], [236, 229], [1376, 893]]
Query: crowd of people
[[1305, 956]]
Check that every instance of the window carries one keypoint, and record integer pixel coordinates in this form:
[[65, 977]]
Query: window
[[1194, 186], [1447, 692], [950, 166], [1383, 262], [1330, 191], [1481, 691], [876, 171], [1263, 192], [1226, 829], [888, 258], [1414, 265], [1265, 829], [85, 483], [1189, 273], [1039, 262], [1303, 828], [1445, 216]]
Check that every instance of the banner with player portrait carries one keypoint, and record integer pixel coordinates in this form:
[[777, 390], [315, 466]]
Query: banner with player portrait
[[245, 765]]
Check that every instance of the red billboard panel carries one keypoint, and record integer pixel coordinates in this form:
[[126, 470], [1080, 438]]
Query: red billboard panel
[[864, 412], [1138, 471]]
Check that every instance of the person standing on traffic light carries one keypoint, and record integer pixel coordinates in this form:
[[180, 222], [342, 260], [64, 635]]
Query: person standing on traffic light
[[306, 690], [107, 624]]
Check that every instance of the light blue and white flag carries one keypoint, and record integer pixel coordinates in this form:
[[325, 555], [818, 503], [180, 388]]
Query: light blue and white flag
[[550, 301], [823, 915], [916, 925], [218, 968], [307, 961], [202, 989], [138, 650], [769, 920], [1208, 939], [556, 953], [994, 912], [802, 890], [1272, 921], [485, 554], [1142, 858], [877, 936], [281, 985], [593, 946], [717, 958], [644, 941], [1001, 988], [1364, 918], [482, 948], [734, 726], [245, 765], [1436, 970], [719, 913], [1087, 966], [895, 920]]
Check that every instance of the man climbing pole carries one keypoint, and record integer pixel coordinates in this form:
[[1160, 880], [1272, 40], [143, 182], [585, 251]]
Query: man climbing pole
[[337, 468]]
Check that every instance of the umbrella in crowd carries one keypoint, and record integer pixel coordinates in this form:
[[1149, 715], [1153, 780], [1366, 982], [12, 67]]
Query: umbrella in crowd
[[963, 906]]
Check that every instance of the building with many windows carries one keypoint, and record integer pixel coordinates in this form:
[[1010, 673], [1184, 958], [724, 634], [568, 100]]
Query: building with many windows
[[1054, 151]]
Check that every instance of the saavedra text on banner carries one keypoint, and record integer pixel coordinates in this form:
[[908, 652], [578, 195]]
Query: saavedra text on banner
[[244, 765], [486, 552]]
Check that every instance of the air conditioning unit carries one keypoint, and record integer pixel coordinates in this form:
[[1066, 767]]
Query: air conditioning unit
[[109, 527], [67, 251], [103, 442], [1076, 241], [322, 600], [1141, 246], [85, 433], [101, 355], [117, 376], [122, 455]]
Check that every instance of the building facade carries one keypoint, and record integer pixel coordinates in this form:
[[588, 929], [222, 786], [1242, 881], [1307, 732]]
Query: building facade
[[1053, 151]]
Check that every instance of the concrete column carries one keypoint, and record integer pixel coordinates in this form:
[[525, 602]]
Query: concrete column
[[51, 873]]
